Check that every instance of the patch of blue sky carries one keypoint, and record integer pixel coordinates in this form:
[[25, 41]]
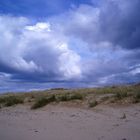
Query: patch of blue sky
[[38, 8], [76, 45]]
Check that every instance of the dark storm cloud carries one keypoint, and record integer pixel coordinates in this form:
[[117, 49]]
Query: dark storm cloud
[[120, 23], [114, 21]]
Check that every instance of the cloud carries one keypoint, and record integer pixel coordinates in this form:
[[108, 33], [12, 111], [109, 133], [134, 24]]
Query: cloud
[[36, 50], [111, 32], [39, 27], [87, 45], [113, 21], [120, 21]]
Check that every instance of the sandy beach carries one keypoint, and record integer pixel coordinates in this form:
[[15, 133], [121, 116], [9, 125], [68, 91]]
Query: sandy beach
[[69, 69], [68, 123]]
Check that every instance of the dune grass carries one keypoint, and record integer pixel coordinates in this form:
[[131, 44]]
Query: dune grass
[[43, 101], [90, 96], [93, 103], [11, 100], [136, 97], [56, 98]]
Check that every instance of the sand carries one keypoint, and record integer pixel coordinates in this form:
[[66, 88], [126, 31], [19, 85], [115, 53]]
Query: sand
[[56, 122]]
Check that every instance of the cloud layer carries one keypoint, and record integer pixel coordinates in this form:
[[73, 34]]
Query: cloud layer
[[87, 45]]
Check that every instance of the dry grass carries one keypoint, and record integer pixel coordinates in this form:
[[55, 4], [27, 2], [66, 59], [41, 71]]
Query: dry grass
[[56, 98], [91, 96], [43, 101], [10, 100], [93, 103]]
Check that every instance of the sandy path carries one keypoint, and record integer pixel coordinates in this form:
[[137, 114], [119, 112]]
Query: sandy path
[[61, 123]]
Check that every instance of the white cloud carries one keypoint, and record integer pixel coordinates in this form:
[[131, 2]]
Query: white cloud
[[135, 71], [46, 51], [39, 27], [69, 63]]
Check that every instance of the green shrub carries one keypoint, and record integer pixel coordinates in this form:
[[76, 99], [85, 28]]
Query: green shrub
[[93, 103], [120, 94], [75, 96], [11, 100], [56, 98], [136, 97], [69, 97], [61, 97], [2, 100], [43, 101]]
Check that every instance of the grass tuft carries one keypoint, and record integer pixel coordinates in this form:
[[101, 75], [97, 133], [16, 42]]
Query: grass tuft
[[10, 100], [69, 97], [136, 97], [93, 103], [120, 94], [43, 101]]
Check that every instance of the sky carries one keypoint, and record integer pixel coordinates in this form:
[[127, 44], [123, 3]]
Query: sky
[[68, 43]]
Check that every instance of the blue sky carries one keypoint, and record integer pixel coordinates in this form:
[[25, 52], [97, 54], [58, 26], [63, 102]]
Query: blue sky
[[68, 43], [38, 8]]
